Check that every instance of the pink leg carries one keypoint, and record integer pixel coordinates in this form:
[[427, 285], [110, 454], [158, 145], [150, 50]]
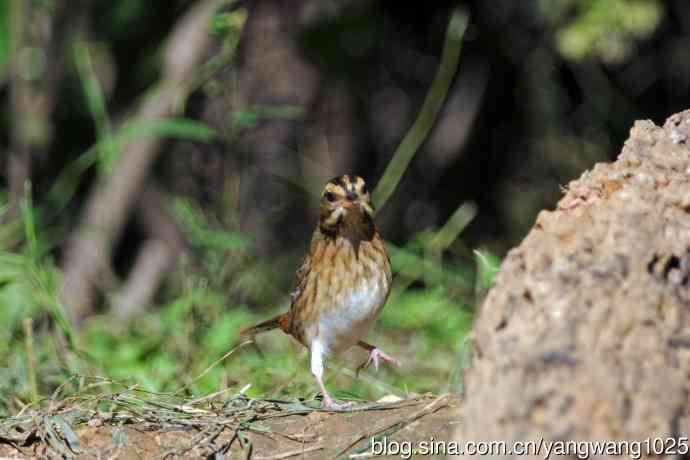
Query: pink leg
[[375, 354], [328, 401], [317, 356]]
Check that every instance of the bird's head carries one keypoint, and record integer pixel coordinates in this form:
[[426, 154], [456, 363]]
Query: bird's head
[[345, 202]]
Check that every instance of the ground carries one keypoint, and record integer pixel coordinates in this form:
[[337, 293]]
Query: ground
[[262, 429]]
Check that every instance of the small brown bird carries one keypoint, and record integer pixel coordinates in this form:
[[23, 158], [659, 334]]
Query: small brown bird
[[343, 282]]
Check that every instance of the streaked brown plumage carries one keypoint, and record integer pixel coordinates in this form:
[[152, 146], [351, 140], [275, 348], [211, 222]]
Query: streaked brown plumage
[[343, 282]]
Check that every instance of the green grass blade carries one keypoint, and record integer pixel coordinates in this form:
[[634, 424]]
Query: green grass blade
[[433, 102], [29, 220], [96, 103], [488, 265], [66, 184], [178, 128]]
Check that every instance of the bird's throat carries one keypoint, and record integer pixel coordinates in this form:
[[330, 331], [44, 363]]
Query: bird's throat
[[354, 225]]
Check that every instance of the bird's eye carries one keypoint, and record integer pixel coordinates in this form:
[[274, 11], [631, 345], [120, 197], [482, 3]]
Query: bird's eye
[[330, 196]]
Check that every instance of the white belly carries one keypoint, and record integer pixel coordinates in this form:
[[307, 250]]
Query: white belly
[[341, 327]]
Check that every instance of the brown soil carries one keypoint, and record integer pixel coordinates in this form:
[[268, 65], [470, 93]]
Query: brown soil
[[586, 332], [310, 435]]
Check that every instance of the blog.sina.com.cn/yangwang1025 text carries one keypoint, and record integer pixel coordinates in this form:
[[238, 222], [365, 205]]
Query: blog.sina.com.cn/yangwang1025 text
[[541, 447]]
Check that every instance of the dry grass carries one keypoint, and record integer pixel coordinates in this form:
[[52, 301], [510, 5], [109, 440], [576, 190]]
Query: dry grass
[[53, 422]]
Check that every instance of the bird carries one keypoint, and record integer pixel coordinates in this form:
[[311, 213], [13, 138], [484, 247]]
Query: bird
[[342, 284]]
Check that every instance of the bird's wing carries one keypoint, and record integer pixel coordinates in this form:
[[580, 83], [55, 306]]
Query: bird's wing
[[300, 279]]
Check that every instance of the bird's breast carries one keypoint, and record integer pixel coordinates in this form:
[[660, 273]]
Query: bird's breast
[[352, 314], [350, 293]]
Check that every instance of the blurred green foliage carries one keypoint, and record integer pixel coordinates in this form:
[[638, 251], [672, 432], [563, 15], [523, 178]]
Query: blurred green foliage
[[5, 42], [604, 29], [175, 343]]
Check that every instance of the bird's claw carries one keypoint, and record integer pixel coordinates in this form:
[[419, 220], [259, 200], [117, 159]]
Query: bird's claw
[[375, 355], [331, 404]]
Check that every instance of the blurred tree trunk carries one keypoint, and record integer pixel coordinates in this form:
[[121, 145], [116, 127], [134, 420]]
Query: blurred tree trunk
[[34, 75], [19, 161], [585, 335], [89, 251], [164, 244], [274, 73]]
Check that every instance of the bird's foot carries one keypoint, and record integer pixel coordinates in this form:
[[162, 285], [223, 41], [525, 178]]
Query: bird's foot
[[376, 355], [329, 403]]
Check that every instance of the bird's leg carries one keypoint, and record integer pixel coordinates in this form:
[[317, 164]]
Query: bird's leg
[[317, 355], [374, 355]]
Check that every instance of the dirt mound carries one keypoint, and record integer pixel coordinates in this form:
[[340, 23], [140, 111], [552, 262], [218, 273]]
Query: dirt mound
[[586, 334]]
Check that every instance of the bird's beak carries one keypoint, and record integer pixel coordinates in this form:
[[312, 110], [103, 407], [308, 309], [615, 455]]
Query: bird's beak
[[352, 201], [352, 204]]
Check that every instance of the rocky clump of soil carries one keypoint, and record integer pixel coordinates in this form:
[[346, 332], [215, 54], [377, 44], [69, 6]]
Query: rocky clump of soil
[[586, 333]]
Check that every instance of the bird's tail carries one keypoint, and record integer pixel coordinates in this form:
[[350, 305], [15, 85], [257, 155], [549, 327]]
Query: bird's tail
[[277, 322]]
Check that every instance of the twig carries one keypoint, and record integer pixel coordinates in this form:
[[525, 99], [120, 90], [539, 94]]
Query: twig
[[441, 241], [373, 381], [362, 408], [30, 358], [214, 364], [435, 405], [289, 454], [208, 397]]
